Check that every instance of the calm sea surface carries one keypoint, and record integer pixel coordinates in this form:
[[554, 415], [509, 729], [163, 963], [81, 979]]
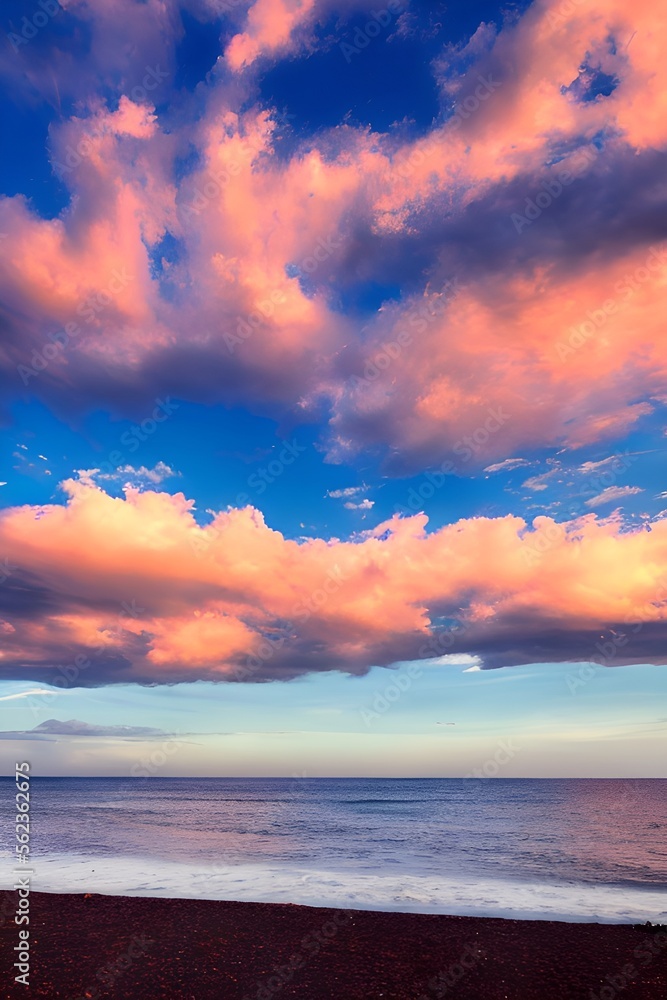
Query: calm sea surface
[[559, 849]]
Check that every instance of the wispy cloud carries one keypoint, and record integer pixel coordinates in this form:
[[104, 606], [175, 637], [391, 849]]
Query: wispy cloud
[[28, 694], [613, 493], [73, 728], [541, 482], [507, 465]]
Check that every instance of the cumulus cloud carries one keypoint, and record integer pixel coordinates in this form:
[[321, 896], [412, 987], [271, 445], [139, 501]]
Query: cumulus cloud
[[142, 475], [164, 280], [348, 491], [364, 504], [133, 589]]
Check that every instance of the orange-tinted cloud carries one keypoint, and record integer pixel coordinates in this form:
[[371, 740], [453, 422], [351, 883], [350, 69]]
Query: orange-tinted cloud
[[139, 592], [245, 306]]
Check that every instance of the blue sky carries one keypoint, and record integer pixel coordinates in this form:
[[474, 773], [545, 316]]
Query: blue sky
[[547, 720], [452, 422]]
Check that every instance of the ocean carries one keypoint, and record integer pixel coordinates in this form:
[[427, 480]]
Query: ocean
[[571, 849]]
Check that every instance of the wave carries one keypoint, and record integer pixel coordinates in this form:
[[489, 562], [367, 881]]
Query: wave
[[490, 897]]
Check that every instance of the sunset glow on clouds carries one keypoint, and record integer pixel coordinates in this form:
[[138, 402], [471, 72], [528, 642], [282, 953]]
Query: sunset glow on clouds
[[472, 298], [159, 598]]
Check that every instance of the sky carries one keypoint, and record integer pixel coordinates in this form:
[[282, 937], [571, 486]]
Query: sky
[[333, 387]]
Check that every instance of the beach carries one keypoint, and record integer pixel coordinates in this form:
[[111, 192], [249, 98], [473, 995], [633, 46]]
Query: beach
[[97, 946]]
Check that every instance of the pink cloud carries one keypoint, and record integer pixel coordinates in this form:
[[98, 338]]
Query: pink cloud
[[140, 591], [248, 310], [268, 30]]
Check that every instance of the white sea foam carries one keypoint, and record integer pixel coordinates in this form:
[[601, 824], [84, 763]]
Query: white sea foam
[[132, 876]]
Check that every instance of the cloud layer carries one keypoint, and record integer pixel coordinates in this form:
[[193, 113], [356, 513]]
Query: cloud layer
[[107, 590], [527, 227]]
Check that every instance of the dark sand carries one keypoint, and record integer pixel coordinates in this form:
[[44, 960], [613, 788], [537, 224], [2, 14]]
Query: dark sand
[[82, 946]]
